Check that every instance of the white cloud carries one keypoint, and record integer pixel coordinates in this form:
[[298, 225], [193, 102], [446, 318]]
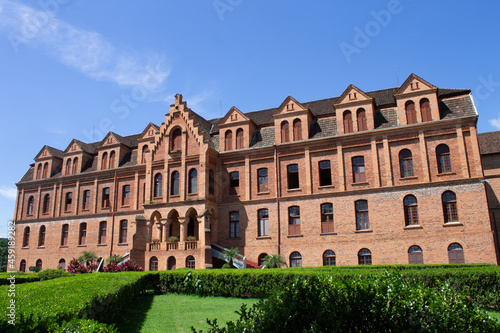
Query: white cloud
[[495, 122], [8, 192], [86, 51]]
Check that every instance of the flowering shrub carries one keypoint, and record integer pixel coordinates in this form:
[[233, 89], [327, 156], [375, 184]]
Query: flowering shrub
[[75, 267], [125, 267]]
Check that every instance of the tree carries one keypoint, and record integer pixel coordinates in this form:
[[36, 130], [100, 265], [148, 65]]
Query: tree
[[229, 254], [89, 259], [274, 261]]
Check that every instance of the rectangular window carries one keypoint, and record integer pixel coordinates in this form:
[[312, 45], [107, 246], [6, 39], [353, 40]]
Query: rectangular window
[[325, 173], [263, 222], [102, 232], [327, 217], [358, 169], [68, 202], [123, 231], [126, 195], [105, 197], [293, 176], [362, 215], [294, 220], [64, 235], [262, 180], [83, 234], [234, 224], [234, 182], [86, 200]]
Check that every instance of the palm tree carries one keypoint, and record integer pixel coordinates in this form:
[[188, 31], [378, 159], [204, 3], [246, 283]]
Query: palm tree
[[274, 261], [115, 259], [229, 254], [88, 257]]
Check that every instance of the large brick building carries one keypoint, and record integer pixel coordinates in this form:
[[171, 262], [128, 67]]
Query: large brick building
[[391, 176]]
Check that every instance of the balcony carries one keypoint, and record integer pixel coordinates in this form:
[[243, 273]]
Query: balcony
[[156, 246], [172, 246], [191, 245]]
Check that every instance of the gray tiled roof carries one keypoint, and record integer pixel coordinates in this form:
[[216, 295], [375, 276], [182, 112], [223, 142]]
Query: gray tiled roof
[[489, 142]]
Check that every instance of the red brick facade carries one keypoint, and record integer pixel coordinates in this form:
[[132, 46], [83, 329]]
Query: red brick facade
[[370, 176]]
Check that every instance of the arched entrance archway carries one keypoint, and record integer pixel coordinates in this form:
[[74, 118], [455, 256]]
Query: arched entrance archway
[[171, 263]]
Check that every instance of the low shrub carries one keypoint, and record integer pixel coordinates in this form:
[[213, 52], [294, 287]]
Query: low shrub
[[20, 277], [384, 304], [49, 274], [83, 326], [97, 296]]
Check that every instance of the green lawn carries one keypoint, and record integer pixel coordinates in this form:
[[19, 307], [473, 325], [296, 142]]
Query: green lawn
[[177, 313]]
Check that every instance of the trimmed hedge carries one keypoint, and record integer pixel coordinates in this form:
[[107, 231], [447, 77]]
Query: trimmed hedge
[[21, 277], [480, 282], [41, 306]]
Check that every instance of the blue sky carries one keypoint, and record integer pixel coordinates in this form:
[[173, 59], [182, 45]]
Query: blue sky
[[77, 69]]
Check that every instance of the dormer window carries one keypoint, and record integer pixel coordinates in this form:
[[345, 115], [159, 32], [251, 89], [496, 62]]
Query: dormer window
[[297, 130], [285, 133], [68, 167], [143, 155], [228, 141], [45, 172], [411, 114], [39, 171], [112, 158], [104, 161], [75, 165], [347, 122], [239, 138]]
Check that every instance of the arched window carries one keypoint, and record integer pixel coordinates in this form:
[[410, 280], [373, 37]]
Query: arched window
[[68, 166], [190, 262], [62, 264], [193, 181], [364, 257], [104, 161], [325, 173], [295, 259], [425, 109], [64, 234], [102, 232], [82, 235], [123, 232], [411, 114], [406, 163], [261, 259], [22, 266], [41, 236], [361, 116], [126, 195], [211, 182], [26, 237], [157, 185], [263, 222], [46, 204], [358, 169], [443, 158], [456, 254], [68, 202], [329, 258], [411, 210], [239, 138], [449, 207], [31, 202], [362, 222], [39, 265], [75, 165], [285, 131], [294, 220], [327, 218], [228, 141], [45, 170], [174, 183], [347, 118], [112, 158], [415, 255], [153, 264], [293, 176], [262, 184], [297, 130], [143, 154], [176, 138], [39, 171]]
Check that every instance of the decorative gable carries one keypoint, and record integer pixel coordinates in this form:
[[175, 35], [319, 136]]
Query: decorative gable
[[354, 111], [235, 130], [145, 142], [353, 95], [46, 162], [417, 101], [292, 121]]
